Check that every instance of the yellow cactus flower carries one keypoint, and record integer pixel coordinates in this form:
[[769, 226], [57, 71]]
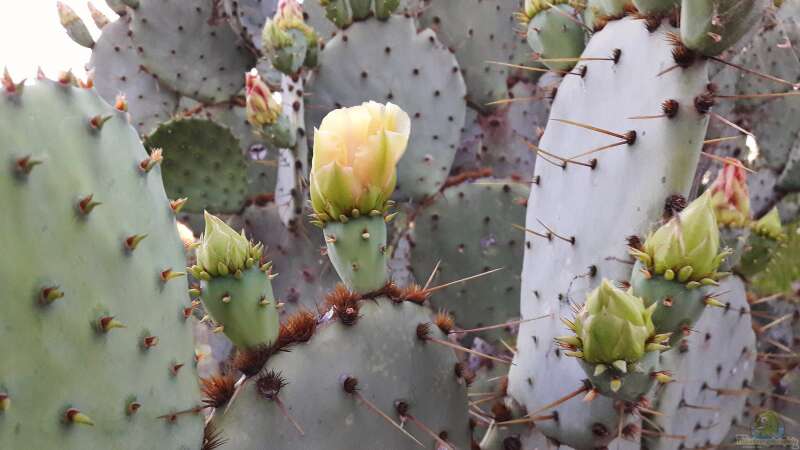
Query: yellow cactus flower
[[356, 151]]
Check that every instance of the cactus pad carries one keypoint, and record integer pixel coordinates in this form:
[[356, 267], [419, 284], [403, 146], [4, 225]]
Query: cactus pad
[[118, 69], [63, 353], [577, 241], [391, 364], [499, 140], [478, 31], [202, 161], [483, 213], [190, 49], [247, 17], [711, 368]]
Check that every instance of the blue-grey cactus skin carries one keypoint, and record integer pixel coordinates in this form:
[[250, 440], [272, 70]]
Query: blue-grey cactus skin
[[191, 52], [586, 243], [721, 354]]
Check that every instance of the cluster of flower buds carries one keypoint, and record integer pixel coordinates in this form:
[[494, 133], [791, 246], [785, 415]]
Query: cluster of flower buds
[[730, 197], [222, 251], [612, 328], [686, 248]]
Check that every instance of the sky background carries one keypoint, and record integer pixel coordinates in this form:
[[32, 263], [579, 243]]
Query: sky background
[[31, 36]]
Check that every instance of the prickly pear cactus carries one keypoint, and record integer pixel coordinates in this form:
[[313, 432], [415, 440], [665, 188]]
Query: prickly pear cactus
[[117, 70], [573, 242], [478, 32], [372, 358], [712, 368], [96, 345], [203, 161], [190, 47], [500, 140], [484, 212]]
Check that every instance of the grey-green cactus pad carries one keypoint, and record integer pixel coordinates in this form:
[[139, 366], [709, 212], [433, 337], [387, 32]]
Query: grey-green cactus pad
[[469, 229], [118, 70], [783, 269], [478, 31], [720, 354], [54, 357], [390, 61], [247, 17], [262, 161], [382, 351], [558, 272], [500, 140], [202, 161], [189, 49]]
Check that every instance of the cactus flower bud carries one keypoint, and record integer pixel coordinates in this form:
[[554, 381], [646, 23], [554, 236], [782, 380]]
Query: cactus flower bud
[[222, 250], [687, 246], [730, 197], [770, 225], [262, 108], [75, 27], [356, 151], [614, 326]]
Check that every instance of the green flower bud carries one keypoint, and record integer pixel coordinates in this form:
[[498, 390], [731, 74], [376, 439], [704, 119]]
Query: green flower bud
[[222, 250], [690, 239], [613, 326], [770, 225]]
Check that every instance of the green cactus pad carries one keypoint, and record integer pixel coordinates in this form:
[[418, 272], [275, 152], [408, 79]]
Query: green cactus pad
[[358, 252], [189, 49], [556, 33], [202, 161], [478, 31], [262, 161], [247, 17], [390, 61], [245, 308], [382, 351], [117, 69], [759, 252], [711, 26], [636, 382], [721, 354], [56, 356], [638, 178], [657, 6], [783, 269], [678, 306], [469, 229], [500, 139]]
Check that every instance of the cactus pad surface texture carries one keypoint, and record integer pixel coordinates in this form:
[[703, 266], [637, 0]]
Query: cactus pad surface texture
[[97, 352]]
